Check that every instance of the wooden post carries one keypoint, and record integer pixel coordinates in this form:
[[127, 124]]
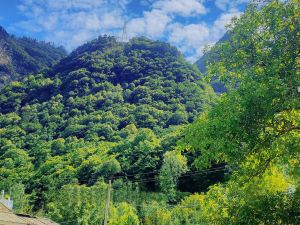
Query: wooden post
[[107, 203]]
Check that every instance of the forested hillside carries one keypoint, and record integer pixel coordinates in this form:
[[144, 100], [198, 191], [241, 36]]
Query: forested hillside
[[138, 115], [107, 106], [23, 56]]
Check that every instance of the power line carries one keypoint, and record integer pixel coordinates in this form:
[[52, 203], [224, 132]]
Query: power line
[[141, 205], [208, 171], [184, 175]]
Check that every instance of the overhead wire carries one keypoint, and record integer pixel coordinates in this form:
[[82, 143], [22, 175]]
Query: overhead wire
[[221, 168], [170, 206]]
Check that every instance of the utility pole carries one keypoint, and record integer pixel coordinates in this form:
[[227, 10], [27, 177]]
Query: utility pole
[[107, 202]]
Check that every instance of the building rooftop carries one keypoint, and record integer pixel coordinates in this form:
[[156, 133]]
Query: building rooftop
[[7, 217]]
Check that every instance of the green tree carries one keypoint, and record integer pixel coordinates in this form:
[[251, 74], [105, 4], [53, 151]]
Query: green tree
[[255, 127], [20, 198], [124, 214], [173, 166], [79, 205], [139, 154]]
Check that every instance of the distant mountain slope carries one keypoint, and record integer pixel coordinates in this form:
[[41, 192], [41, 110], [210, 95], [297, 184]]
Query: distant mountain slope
[[202, 66], [22, 56]]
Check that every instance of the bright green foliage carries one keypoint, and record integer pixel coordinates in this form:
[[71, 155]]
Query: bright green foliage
[[173, 166], [20, 198], [108, 110], [97, 92], [139, 153], [155, 213], [269, 199], [79, 205], [123, 214], [255, 127], [15, 167], [116, 111], [247, 119], [110, 168]]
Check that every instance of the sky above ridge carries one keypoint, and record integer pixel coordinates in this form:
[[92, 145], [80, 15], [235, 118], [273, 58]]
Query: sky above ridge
[[189, 25]]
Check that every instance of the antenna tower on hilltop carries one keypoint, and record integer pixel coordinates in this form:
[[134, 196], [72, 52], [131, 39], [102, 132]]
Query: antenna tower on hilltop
[[124, 34]]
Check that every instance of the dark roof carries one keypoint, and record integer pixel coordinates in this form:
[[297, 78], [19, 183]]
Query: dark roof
[[7, 217]]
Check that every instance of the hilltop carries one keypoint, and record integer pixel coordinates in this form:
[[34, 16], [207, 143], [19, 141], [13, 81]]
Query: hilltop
[[142, 82]]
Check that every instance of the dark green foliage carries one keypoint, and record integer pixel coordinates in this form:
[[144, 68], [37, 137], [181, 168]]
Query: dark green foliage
[[108, 109], [115, 111], [23, 56], [143, 82]]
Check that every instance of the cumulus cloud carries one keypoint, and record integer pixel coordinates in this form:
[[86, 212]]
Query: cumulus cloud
[[155, 22], [73, 22], [226, 5], [181, 7], [192, 38]]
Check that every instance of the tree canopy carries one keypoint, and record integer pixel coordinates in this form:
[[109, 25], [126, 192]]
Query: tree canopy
[[137, 113]]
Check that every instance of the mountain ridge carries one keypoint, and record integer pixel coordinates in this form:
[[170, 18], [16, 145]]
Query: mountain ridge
[[20, 56], [140, 77], [202, 64]]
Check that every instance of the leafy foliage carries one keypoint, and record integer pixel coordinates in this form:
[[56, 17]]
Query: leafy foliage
[[255, 127], [120, 111], [173, 166], [107, 110], [85, 205]]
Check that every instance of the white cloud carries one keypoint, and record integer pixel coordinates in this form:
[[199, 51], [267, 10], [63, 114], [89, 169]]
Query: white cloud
[[111, 20], [73, 4], [136, 27], [226, 5], [219, 25], [182, 7], [191, 34], [153, 24], [73, 22], [156, 22], [192, 38]]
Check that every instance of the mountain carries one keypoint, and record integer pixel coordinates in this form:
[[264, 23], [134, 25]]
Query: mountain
[[105, 134], [107, 99], [22, 56], [142, 82], [209, 58]]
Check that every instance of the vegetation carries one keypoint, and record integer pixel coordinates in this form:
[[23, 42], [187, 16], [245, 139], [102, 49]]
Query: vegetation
[[108, 111], [127, 113], [23, 56]]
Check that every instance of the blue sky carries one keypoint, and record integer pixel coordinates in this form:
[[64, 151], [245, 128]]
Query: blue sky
[[190, 25]]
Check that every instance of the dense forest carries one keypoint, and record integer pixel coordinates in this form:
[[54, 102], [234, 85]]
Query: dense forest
[[139, 115], [22, 56]]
